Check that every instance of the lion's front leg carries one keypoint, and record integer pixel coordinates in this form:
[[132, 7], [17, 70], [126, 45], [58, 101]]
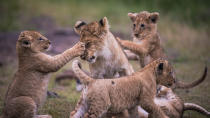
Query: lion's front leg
[[134, 112], [153, 110]]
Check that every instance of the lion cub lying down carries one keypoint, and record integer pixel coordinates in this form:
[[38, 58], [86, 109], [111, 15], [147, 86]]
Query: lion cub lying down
[[28, 90], [112, 96], [172, 105]]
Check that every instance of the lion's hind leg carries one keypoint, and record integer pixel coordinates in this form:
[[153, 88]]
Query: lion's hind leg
[[153, 110], [20, 107], [97, 107], [95, 112]]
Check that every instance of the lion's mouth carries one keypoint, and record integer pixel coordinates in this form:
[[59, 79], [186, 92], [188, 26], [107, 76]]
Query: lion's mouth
[[46, 47]]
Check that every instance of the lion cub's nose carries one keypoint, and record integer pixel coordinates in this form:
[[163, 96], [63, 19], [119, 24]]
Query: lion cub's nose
[[93, 57]]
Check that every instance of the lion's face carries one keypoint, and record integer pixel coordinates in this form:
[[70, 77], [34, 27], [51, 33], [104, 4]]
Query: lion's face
[[92, 35], [33, 41], [143, 23], [163, 91], [165, 74], [93, 45]]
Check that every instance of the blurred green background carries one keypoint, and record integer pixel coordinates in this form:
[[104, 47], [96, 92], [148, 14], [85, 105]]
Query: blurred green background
[[184, 27], [66, 12]]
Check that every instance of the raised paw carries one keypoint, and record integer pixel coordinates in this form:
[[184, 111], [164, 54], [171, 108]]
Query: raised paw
[[79, 48]]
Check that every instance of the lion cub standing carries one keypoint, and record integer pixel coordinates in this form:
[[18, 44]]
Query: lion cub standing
[[146, 40], [113, 96], [28, 90]]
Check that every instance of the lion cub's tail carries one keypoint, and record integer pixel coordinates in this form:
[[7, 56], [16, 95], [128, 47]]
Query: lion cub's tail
[[195, 107], [183, 85], [84, 78]]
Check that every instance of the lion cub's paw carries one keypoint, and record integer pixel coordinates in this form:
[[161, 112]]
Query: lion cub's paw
[[79, 48]]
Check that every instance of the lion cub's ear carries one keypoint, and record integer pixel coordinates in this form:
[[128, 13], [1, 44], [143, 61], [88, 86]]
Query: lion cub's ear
[[26, 43], [160, 68], [24, 39], [78, 26], [104, 23], [132, 16], [154, 17]]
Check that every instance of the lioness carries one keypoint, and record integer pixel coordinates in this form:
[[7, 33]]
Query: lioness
[[27, 92], [172, 105], [112, 96], [105, 56]]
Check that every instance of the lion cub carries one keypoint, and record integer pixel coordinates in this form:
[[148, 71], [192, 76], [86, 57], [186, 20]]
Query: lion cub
[[112, 96], [172, 105], [28, 90], [146, 40], [146, 43], [105, 56]]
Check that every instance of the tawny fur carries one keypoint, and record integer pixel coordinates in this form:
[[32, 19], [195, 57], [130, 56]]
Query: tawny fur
[[105, 55], [146, 43], [146, 40], [27, 92], [112, 96], [172, 105]]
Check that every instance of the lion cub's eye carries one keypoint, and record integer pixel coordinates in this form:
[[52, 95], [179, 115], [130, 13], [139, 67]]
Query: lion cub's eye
[[134, 25], [142, 25], [41, 39]]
